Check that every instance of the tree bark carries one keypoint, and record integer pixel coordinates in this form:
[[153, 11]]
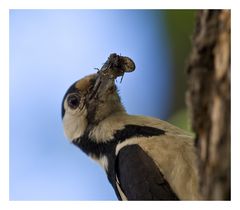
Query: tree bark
[[208, 100]]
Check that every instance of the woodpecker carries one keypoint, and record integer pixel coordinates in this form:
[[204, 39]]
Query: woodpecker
[[144, 158]]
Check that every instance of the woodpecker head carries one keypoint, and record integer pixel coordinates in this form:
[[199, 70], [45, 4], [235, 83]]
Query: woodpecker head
[[80, 111]]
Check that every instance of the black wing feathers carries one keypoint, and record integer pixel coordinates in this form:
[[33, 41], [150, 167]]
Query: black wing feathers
[[139, 177]]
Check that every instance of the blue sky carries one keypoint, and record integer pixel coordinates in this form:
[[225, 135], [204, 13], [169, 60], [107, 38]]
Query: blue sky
[[49, 50]]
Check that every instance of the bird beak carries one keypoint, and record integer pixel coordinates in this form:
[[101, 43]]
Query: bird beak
[[101, 87]]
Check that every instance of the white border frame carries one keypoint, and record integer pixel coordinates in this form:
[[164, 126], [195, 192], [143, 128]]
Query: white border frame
[[6, 5]]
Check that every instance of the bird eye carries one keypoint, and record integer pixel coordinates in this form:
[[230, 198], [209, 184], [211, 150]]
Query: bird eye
[[73, 101]]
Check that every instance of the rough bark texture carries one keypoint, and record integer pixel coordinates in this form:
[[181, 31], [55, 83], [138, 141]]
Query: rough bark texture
[[208, 99]]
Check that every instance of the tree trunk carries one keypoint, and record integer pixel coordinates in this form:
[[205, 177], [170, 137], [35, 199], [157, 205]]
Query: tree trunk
[[208, 99]]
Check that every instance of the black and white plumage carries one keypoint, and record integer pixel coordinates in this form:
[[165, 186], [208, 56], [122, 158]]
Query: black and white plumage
[[144, 158]]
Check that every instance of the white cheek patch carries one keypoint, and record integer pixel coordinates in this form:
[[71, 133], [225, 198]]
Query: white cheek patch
[[74, 123], [74, 127]]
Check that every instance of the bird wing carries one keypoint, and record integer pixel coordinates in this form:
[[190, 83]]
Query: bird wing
[[139, 178]]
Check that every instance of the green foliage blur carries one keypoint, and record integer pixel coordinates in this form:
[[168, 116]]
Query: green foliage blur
[[180, 26]]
